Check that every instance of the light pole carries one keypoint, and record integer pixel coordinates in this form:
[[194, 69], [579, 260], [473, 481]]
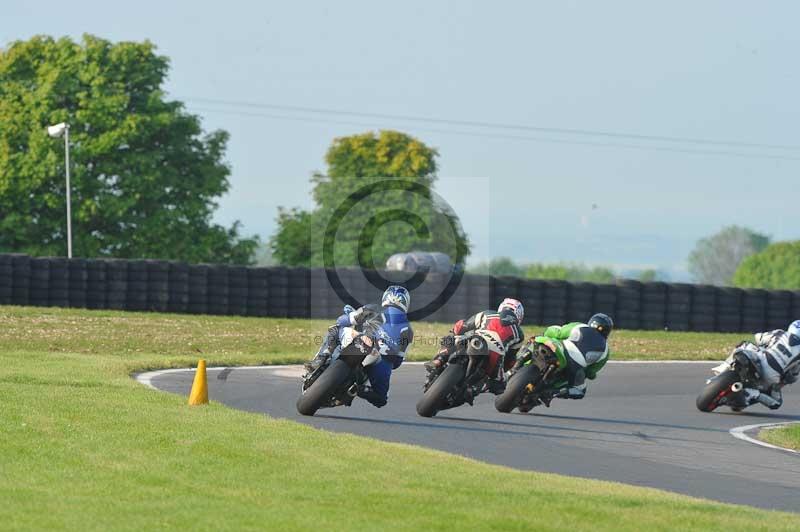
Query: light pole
[[56, 131]]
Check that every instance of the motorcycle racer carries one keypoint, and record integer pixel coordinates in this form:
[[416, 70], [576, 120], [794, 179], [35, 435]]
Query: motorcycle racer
[[394, 339], [778, 354], [586, 346], [505, 322]]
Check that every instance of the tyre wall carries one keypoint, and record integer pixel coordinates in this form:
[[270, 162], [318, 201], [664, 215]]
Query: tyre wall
[[170, 286]]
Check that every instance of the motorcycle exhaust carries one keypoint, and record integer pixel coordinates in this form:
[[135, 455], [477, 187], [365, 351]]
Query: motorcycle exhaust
[[737, 387], [476, 344], [352, 391]]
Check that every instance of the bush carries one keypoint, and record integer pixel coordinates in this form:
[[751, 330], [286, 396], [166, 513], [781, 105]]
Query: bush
[[557, 271], [777, 267]]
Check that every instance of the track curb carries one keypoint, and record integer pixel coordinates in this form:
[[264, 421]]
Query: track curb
[[146, 377], [741, 433]]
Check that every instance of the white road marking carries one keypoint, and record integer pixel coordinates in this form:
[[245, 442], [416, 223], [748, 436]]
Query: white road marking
[[296, 370], [741, 433]]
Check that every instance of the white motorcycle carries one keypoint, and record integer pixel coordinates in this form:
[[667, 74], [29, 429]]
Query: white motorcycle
[[726, 388]]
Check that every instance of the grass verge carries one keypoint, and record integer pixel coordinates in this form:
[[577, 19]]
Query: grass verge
[[259, 340], [86, 447], [787, 437]]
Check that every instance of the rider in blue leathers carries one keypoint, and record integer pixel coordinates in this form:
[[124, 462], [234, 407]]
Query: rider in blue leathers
[[393, 342]]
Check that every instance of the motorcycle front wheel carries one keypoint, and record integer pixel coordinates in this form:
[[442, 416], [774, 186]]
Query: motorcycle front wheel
[[715, 390], [323, 388], [433, 399], [515, 389]]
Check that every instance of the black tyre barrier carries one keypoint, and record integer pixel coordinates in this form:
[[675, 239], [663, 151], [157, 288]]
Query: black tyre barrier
[[257, 291], [299, 286], [237, 290], [580, 305], [217, 289], [437, 283], [629, 305], [198, 289], [678, 307], [795, 312], [116, 283], [754, 310], [779, 306], [21, 277], [302, 292], [703, 308], [96, 285], [503, 287], [136, 292], [6, 280], [605, 299], [157, 285], [554, 311], [531, 293], [77, 277], [278, 297], [40, 282], [729, 309], [178, 287], [479, 292]]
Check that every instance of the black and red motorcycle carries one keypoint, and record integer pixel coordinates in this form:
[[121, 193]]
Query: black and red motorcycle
[[465, 375]]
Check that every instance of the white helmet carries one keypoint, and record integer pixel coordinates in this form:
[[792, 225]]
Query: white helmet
[[513, 306], [794, 328], [396, 296]]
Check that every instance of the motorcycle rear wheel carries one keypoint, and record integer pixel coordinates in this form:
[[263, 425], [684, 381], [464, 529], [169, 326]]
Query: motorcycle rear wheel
[[433, 399], [323, 388], [510, 398], [708, 399]]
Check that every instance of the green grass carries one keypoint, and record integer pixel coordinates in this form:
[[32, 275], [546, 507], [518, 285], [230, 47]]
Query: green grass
[[788, 436], [83, 446], [178, 339]]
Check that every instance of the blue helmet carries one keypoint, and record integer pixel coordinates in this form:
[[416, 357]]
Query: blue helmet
[[396, 296]]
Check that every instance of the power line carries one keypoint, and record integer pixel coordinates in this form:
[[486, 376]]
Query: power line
[[497, 125], [510, 137]]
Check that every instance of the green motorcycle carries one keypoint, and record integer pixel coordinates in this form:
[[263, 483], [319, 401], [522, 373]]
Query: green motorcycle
[[538, 374]]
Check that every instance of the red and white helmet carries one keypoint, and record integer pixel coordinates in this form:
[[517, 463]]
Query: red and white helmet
[[514, 306]]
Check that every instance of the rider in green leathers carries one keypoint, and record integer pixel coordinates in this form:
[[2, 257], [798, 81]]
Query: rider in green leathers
[[586, 348]]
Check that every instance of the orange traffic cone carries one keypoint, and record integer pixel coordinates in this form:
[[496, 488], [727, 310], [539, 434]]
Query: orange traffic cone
[[199, 394]]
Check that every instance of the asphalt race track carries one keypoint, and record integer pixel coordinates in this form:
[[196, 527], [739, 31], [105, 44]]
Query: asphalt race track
[[638, 425]]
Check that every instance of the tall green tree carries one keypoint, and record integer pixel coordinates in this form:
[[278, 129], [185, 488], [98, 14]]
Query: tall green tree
[[367, 229], [777, 267], [145, 177], [715, 259]]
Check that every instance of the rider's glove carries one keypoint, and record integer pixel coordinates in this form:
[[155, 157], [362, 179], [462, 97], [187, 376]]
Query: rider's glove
[[447, 341], [357, 317]]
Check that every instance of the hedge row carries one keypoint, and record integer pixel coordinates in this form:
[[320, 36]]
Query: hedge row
[[164, 286]]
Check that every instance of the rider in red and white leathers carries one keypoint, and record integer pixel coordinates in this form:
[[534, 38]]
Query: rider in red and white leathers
[[505, 323]]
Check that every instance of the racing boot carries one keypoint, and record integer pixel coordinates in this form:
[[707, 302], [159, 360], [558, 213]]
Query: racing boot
[[436, 366], [773, 400], [368, 394], [497, 385]]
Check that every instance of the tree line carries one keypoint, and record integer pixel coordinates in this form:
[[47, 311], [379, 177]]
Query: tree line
[[146, 180]]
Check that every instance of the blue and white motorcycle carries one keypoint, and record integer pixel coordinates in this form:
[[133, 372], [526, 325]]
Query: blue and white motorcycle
[[336, 382]]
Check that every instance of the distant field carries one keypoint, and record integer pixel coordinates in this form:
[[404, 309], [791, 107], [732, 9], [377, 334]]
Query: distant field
[[86, 447], [179, 339], [788, 436]]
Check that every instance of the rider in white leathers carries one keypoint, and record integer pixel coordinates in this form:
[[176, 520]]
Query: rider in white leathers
[[778, 354]]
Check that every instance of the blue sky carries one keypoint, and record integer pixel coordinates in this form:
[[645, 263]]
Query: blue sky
[[724, 71]]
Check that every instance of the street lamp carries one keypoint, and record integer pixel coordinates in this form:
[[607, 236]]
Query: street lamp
[[56, 131]]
